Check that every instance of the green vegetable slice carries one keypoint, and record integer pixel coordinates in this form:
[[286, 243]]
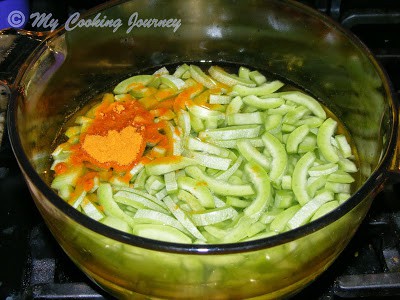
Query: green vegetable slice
[[218, 186], [126, 85], [251, 154], [245, 118], [197, 188], [280, 221], [261, 90], [149, 216], [262, 184], [278, 153], [263, 103], [159, 168], [183, 218], [198, 75], [299, 177], [172, 81], [231, 132], [111, 208], [116, 223], [325, 133], [324, 209], [210, 161], [161, 233], [295, 138], [324, 169], [305, 100], [213, 216], [304, 214], [221, 75], [198, 145], [137, 201]]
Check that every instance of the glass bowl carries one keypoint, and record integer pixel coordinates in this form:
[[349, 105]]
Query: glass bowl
[[76, 63]]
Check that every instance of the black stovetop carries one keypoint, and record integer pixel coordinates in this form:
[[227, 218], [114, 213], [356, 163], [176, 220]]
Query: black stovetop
[[33, 266]]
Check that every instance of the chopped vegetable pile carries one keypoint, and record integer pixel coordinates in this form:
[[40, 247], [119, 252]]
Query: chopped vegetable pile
[[204, 157]]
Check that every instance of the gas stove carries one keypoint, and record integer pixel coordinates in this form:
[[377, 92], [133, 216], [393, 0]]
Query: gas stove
[[33, 266]]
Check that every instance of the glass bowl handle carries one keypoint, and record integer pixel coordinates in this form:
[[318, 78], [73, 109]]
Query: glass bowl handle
[[15, 47], [394, 169]]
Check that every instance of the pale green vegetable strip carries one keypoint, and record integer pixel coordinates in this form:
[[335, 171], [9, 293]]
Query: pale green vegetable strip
[[270, 215], [181, 70], [278, 153], [280, 221], [324, 209], [196, 144], [325, 132], [245, 118], [341, 177], [251, 154], [262, 184], [272, 121], [295, 138], [244, 72], [213, 216], [155, 168], [231, 132], [324, 169], [138, 192], [306, 212], [184, 123], [171, 184], [162, 233], [136, 169], [69, 178], [318, 183], [261, 90], [343, 145], [283, 199], [286, 182], [295, 115], [198, 189], [255, 142], [312, 122], [183, 218], [218, 186], [257, 77], [137, 201], [263, 103], [210, 161], [236, 202], [234, 106], [305, 100], [172, 81], [220, 99], [126, 85], [191, 200], [205, 113], [347, 165], [105, 197], [239, 231], [221, 75], [155, 217], [116, 223], [198, 75], [299, 178], [232, 169], [338, 187]]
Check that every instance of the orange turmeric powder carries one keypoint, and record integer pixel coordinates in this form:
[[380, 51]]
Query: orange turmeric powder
[[120, 147], [118, 135]]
